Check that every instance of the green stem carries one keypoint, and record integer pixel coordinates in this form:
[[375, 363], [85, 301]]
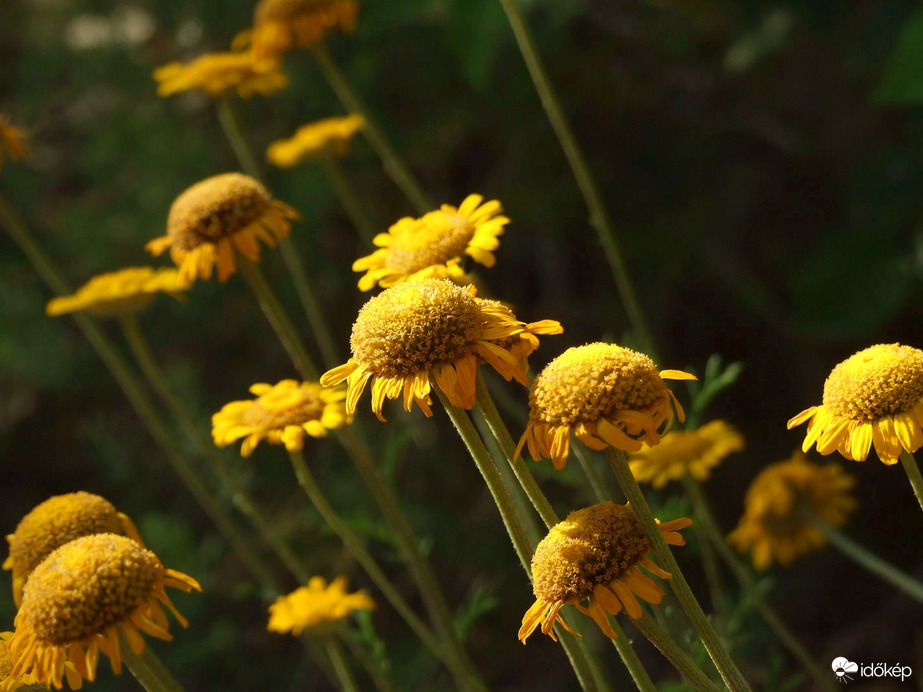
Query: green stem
[[599, 217], [589, 470], [147, 668], [349, 198], [144, 357], [340, 664], [913, 473], [674, 654], [230, 125], [715, 536], [627, 653], [393, 164], [139, 400], [729, 671], [376, 671], [870, 561]]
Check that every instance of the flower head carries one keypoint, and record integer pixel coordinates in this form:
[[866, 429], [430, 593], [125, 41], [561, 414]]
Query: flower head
[[279, 25], [12, 139], [693, 452], [56, 521], [781, 503], [315, 605], [217, 73], [82, 596], [311, 141], [433, 245], [609, 396], [874, 397], [218, 216], [432, 331], [120, 293], [596, 553], [282, 413]]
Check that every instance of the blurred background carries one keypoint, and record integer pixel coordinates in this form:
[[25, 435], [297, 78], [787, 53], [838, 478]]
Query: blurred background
[[762, 162]]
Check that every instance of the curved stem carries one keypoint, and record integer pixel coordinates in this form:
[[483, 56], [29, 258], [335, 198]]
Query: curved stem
[[349, 198], [627, 653], [729, 671], [599, 217], [376, 671], [674, 654], [913, 473], [147, 668], [340, 664], [230, 125]]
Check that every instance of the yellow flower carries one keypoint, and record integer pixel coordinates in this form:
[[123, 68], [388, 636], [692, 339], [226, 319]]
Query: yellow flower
[[82, 596], [596, 553], [279, 25], [873, 397], [433, 245], [782, 501], [56, 521], [315, 605], [693, 452], [311, 141], [282, 414], [218, 216], [12, 139], [120, 293], [217, 73], [607, 395], [8, 681], [432, 331]]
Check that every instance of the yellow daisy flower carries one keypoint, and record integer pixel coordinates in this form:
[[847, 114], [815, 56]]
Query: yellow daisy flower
[[595, 554], [433, 245], [607, 395], [874, 397], [12, 139], [693, 452], [217, 73], [311, 141], [218, 216], [82, 596], [121, 293], [282, 414], [431, 331], [56, 521], [315, 605], [279, 25], [780, 503], [8, 681]]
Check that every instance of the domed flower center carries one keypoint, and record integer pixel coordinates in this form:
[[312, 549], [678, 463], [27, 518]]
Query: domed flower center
[[414, 326], [87, 585], [433, 239], [281, 407], [588, 383], [216, 208], [879, 381], [592, 546]]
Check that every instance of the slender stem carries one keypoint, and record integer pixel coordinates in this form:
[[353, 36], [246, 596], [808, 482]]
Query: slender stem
[[349, 198], [144, 356], [393, 164], [136, 395], [627, 653], [147, 668], [715, 536], [712, 576], [340, 664], [230, 125], [913, 473], [589, 470], [870, 561], [599, 217], [674, 654], [729, 671], [376, 671]]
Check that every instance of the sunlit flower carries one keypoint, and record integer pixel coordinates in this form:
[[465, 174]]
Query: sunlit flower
[[282, 414], [607, 395], [596, 553], [12, 140], [430, 331], [217, 73], [311, 141], [434, 245], [218, 216], [682, 453], [279, 25], [874, 397], [82, 596], [781, 503], [8, 681], [315, 605], [56, 521], [121, 293]]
